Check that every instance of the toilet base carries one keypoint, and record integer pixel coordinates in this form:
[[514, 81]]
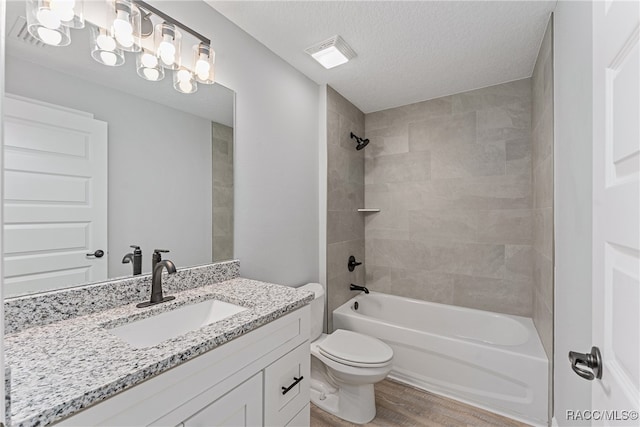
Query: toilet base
[[356, 404]]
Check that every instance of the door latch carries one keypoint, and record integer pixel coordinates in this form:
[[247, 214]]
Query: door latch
[[587, 365]]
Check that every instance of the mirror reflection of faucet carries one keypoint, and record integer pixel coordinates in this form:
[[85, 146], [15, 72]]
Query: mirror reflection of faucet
[[134, 258], [156, 279]]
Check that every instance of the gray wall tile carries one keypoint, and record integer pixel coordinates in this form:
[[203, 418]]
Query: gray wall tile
[[388, 140], [498, 295], [513, 226], [345, 194], [222, 198], [405, 167], [543, 321], [424, 285], [542, 175], [446, 224], [453, 180], [517, 259]]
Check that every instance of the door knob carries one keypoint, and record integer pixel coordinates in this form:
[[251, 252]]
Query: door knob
[[587, 365], [98, 254]]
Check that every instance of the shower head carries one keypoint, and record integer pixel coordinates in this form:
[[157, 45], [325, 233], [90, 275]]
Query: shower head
[[360, 142]]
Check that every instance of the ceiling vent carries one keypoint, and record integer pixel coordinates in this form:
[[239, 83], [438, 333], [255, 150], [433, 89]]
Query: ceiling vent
[[19, 31], [332, 52]]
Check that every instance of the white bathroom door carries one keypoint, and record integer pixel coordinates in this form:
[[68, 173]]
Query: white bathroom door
[[616, 210], [55, 197]]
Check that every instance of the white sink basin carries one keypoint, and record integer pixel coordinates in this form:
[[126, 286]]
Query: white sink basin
[[170, 324]]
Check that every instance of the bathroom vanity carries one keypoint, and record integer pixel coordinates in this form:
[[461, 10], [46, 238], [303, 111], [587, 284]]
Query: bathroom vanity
[[232, 385], [248, 367]]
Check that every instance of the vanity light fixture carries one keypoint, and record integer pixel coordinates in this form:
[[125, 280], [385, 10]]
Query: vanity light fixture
[[120, 26], [126, 23], [104, 47], [204, 59], [49, 20], [148, 66], [184, 81], [331, 52]]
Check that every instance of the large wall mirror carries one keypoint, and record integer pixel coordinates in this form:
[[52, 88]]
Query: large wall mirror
[[99, 159]]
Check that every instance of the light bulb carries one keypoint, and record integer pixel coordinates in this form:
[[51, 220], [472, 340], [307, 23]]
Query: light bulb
[[63, 9], [125, 40], [184, 81], [185, 86], [48, 18], [151, 73], [49, 36], [106, 42], [121, 24], [184, 75], [203, 68], [123, 29], [108, 58], [167, 52], [149, 60]]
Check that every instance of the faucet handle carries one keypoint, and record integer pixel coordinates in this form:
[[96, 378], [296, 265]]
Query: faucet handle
[[157, 257], [134, 246]]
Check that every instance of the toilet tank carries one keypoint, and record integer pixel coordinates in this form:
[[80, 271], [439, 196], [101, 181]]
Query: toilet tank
[[317, 309]]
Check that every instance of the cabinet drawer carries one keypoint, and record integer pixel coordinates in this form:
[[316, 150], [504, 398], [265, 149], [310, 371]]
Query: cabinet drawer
[[280, 406], [241, 407]]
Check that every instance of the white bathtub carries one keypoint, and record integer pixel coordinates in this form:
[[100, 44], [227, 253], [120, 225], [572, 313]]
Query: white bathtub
[[490, 360]]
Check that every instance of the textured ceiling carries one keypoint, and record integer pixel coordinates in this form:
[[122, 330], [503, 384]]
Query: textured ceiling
[[407, 51]]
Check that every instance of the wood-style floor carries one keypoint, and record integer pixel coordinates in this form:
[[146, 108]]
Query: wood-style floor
[[401, 405]]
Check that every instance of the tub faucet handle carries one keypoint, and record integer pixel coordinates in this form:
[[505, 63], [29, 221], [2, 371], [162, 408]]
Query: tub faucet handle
[[352, 264]]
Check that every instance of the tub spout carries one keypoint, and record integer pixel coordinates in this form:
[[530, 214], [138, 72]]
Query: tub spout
[[359, 288]]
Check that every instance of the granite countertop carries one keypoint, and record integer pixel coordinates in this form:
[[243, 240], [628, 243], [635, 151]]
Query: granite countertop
[[60, 368]]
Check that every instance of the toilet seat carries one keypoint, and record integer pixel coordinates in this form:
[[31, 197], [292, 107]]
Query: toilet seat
[[354, 349]]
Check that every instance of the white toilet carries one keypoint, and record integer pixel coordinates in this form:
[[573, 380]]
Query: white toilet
[[344, 366]]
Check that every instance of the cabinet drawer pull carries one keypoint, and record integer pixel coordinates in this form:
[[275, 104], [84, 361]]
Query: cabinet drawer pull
[[285, 390]]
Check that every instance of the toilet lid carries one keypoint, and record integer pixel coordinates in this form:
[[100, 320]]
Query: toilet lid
[[352, 348]]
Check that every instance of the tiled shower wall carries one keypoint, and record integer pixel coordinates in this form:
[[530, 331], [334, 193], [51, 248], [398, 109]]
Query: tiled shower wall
[[452, 177], [542, 125], [345, 194], [222, 139]]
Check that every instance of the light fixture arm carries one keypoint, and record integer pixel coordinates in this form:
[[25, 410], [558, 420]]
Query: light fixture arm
[[167, 18]]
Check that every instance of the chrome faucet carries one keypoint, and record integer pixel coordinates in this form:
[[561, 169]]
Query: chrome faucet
[[134, 258], [358, 288], [156, 283]]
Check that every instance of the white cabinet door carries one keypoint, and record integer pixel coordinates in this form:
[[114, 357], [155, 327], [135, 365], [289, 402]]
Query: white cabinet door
[[616, 212], [303, 419], [55, 197], [242, 406], [286, 386]]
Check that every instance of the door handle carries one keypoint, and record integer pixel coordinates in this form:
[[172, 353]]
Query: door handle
[[98, 254], [587, 365]]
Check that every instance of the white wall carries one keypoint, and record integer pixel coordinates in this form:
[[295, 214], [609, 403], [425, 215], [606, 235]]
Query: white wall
[[322, 185], [276, 150], [160, 181], [2, 51], [573, 165]]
